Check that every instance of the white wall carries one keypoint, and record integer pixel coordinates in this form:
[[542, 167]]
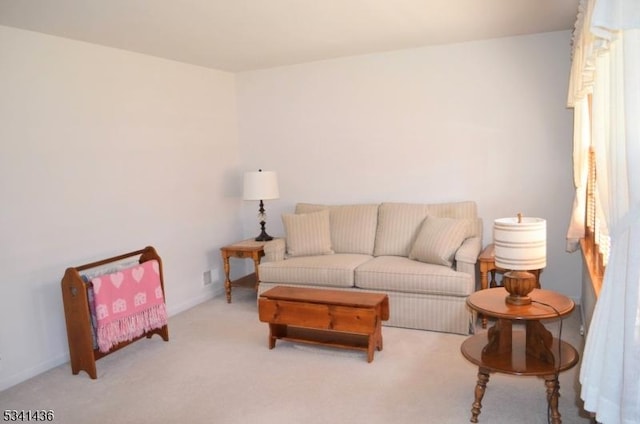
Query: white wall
[[103, 152], [483, 121]]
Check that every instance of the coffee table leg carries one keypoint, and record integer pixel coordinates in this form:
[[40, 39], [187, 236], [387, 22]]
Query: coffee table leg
[[370, 349], [553, 393], [483, 379], [275, 331], [375, 341]]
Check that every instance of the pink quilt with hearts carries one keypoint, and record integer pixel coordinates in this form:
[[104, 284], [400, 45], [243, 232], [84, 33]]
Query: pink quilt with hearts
[[128, 303]]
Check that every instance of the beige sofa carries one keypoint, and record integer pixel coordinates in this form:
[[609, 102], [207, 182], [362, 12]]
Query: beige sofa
[[422, 255]]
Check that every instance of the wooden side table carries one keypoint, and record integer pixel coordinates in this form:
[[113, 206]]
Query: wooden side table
[[532, 352], [487, 261], [246, 249]]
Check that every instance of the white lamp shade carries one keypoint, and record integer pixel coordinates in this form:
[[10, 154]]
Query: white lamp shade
[[260, 185], [520, 246]]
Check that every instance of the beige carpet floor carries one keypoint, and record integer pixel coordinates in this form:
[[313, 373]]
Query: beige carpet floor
[[217, 368]]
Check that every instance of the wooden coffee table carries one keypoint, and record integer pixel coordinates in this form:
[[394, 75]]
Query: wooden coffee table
[[336, 318]]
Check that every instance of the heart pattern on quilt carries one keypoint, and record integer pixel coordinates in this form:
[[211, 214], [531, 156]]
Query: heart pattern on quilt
[[137, 273], [117, 279]]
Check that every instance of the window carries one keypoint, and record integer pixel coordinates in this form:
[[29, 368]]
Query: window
[[596, 242]]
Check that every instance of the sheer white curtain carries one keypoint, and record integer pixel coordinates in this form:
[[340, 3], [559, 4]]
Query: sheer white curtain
[[607, 64]]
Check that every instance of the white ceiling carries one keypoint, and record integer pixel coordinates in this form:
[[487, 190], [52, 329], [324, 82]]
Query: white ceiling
[[238, 35]]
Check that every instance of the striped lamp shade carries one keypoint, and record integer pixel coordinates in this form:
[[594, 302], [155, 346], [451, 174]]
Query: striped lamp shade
[[520, 243]]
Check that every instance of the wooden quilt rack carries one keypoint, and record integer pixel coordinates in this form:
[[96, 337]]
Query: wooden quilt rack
[[78, 316]]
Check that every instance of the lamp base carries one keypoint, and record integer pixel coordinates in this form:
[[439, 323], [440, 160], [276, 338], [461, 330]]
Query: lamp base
[[263, 233], [519, 284], [264, 237]]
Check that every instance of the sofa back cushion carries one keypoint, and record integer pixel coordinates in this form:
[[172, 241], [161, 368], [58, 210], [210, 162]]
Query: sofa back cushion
[[399, 223], [352, 227]]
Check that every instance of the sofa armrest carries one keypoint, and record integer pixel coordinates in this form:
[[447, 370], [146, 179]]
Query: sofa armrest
[[274, 250], [467, 255]]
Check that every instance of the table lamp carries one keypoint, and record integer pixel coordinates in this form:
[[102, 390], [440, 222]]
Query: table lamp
[[520, 247], [261, 185]]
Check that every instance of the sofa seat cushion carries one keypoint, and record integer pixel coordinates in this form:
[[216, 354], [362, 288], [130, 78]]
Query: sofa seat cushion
[[335, 270], [395, 273]]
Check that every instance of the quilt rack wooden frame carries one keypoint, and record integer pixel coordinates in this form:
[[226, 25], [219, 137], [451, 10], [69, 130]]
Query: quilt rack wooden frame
[[78, 319]]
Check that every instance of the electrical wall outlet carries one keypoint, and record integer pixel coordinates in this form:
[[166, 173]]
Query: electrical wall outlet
[[206, 278]]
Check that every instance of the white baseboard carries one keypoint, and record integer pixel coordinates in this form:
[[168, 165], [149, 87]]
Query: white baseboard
[[19, 377], [24, 375], [181, 307]]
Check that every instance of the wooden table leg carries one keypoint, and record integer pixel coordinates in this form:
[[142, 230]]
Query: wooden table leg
[[275, 331], [375, 340], [371, 347], [481, 386], [227, 280], [379, 335], [484, 281], [553, 393], [256, 264], [484, 284]]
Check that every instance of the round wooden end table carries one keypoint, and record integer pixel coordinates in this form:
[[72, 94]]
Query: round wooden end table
[[530, 352]]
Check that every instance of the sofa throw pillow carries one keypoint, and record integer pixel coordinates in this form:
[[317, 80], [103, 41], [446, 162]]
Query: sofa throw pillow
[[438, 240], [307, 234]]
